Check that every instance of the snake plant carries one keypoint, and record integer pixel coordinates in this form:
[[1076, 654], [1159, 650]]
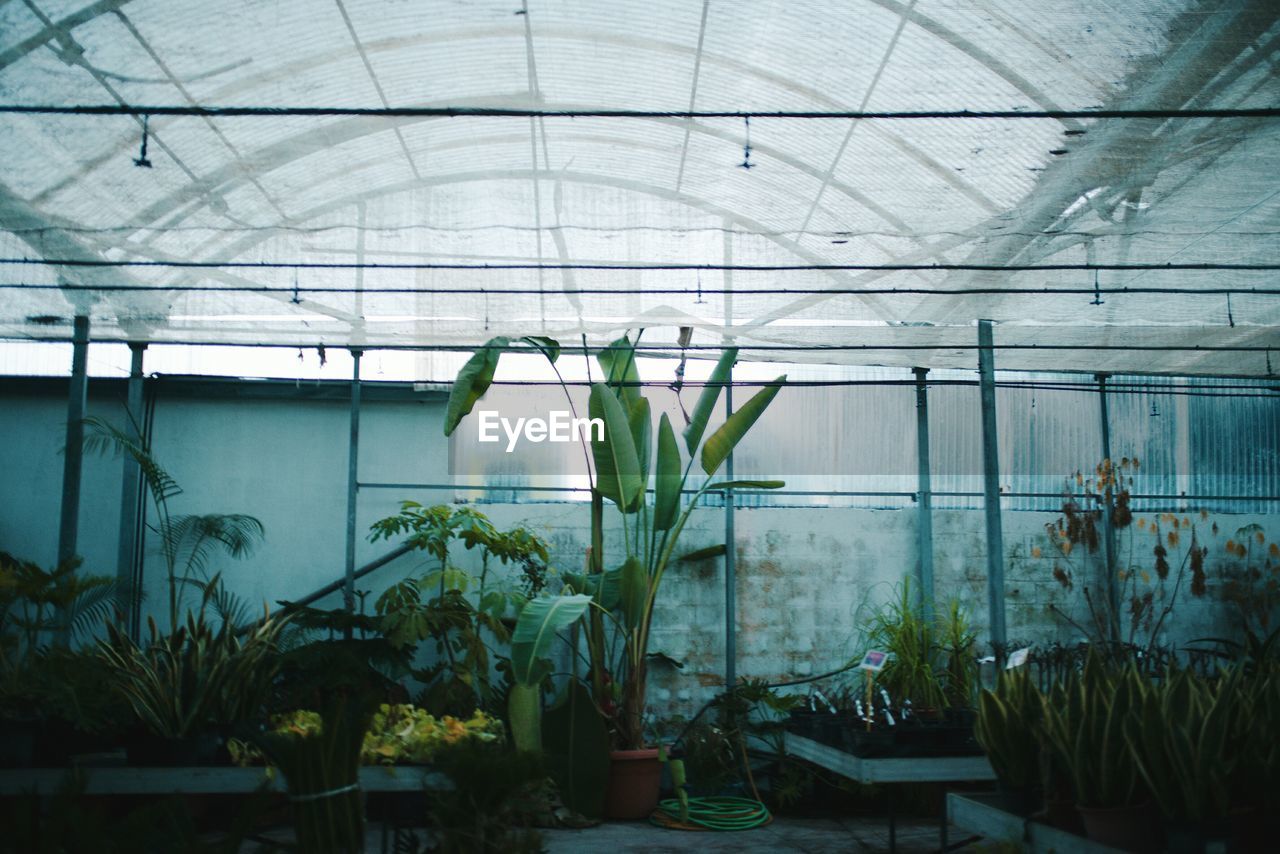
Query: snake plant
[[1009, 729], [195, 677]]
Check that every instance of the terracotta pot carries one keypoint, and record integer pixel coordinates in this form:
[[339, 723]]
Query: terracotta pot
[[1131, 828], [633, 783], [1062, 814]]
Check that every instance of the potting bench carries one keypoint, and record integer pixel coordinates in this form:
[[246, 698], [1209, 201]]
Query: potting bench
[[126, 780], [914, 769], [123, 780]]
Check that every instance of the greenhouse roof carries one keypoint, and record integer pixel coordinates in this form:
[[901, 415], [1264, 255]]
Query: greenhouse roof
[[784, 175]]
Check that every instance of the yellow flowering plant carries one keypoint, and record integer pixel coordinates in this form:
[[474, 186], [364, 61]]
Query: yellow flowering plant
[[397, 734]]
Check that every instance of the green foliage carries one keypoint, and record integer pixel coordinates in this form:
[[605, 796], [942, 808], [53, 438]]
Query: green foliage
[[188, 543], [959, 642], [472, 382], [39, 605], [496, 795], [624, 465], [576, 746], [1009, 728], [933, 663], [196, 677], [1205, 747], [457, 611], [321, 767]]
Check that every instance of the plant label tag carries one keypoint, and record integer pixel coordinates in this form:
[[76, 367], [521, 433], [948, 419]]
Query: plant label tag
[[1018, 657], [874, 660]]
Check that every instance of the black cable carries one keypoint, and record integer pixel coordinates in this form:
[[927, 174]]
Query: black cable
[[632, 266], [294, 290], [515, 112], [671, 348]]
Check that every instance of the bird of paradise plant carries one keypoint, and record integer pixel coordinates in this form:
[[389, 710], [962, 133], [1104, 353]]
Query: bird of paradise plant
[[625, 470]]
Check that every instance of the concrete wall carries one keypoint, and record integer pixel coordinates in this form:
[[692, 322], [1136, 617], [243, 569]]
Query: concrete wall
[[807, 578]]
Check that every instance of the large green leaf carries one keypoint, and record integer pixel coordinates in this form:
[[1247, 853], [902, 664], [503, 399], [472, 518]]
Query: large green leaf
[[634, 590], [472, 382], [618, 361], [722, 442], [704, 553], [642, 435], [617, 467], [577, 749], [666, 500], [536, 628], [604, 587], [748, 484], [707, 400], [549, 347]]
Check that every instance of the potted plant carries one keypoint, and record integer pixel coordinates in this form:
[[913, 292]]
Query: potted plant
[[1089, 732], [624, 465], [1190, 740], [53, 701], [1009, 728], [189, 689]]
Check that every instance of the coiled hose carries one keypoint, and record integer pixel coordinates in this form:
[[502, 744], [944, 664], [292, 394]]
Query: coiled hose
[[712, 813]]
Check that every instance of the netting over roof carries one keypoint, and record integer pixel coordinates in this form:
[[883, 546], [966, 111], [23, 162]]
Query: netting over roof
[[576, 195]]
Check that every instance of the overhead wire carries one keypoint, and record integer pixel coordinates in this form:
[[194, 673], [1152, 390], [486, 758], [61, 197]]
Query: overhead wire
[[634, 266], [260, 111]]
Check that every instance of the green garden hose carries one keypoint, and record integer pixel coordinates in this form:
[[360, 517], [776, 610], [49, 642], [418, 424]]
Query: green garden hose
[[714, 813]]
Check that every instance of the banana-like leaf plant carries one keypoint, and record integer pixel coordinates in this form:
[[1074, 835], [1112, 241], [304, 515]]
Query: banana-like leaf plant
[[625, 472]]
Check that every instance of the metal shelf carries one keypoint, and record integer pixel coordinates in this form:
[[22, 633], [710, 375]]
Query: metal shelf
[[913, 769], [201, 781], [979, 814]]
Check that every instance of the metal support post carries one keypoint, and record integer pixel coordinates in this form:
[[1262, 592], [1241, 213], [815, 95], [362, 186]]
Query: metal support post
[[353, 458], [730, 565], [991, 488], [730, 552], [924, 496], [73, 458], [1108, 531], [130, 494]]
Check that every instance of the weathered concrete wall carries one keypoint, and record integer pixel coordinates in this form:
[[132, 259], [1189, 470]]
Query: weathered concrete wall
[[807, 578]]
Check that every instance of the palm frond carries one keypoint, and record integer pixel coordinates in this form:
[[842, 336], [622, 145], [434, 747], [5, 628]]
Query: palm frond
[[98, 600], [103, 437], [194, 539]]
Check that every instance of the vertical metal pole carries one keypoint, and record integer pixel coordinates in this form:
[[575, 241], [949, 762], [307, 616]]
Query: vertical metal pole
[[130, 491], [730, 565], [730, 551], [353, 458], [924, 496], [991, 488], [73, 458], [1108, 532]]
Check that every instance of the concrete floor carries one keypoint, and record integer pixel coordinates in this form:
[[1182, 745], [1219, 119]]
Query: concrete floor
[[807, 835], [813, 836]]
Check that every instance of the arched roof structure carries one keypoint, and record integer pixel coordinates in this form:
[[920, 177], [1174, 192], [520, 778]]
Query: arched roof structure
[[866, 240]]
